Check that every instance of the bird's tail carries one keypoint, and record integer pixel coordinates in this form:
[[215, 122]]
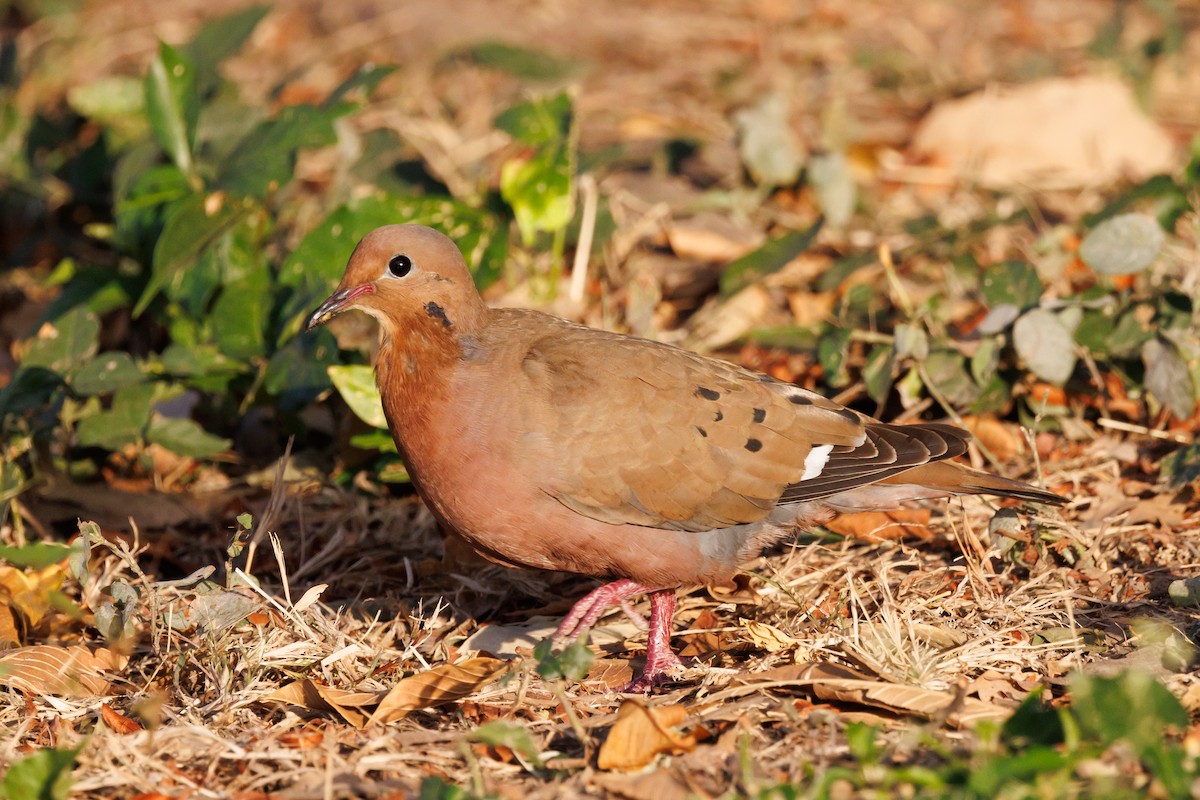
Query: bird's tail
[[950, 477]]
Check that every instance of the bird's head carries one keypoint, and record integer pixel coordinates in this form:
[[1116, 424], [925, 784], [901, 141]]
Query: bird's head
[[407, 276]]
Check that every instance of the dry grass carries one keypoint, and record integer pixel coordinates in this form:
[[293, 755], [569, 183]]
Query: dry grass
[[927, 614]]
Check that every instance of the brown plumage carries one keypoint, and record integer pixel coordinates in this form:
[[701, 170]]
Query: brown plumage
[[550, 445]]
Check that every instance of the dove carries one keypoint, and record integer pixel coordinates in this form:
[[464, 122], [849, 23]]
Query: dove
[[549, 445]]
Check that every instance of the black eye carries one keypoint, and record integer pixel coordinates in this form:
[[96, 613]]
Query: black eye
[[400, 265]]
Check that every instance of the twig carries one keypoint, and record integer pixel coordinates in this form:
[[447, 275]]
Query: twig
[[587, 230]]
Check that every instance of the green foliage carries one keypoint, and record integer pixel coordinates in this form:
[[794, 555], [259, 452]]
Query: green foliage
[[191, 186], [571, 663], [43, 775], [539, 184], [1039, 751]]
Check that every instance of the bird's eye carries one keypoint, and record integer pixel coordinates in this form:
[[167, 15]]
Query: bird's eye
[[399, 265]]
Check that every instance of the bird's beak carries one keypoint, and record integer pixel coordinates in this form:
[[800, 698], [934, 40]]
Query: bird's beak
[[336, 303]]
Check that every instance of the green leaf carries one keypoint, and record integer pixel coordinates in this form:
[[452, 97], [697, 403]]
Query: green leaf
[[772, 256], [240, 316], [947, 371], [173, 105], [30, 389], [1034, 723], [121, 425], [1168, 378], [769, 146], [831, 353], [543, 120], [185, 437], [831, 179], [117, 102], [356, 384], [217, 41], [185, 361], [1131, 706], [38, 555], [375, 439], [44, 775], [298, 372], [539, 191], [519, 62], [877, 372], [572, 663], [499, 733], [367, 78], [1013, 282], [266, 159], [1045, 345], [193, 224], [63, 344], [1123, 244], [1183, 466], [107, 372]]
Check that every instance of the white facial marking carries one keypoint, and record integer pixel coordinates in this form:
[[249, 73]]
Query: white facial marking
[[814, 462]]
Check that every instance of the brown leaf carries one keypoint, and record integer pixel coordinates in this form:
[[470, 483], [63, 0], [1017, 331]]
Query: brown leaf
[[318, 697], [880, 526], [118, 721], [834, 682], [641, 732], [63, 671], [1001, 439], [659, 784], [10, 631], [442, 684], [706, 641], [768, 637], [29, 591]]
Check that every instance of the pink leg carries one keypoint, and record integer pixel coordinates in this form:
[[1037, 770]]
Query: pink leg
[[584, 614], [660, 659]]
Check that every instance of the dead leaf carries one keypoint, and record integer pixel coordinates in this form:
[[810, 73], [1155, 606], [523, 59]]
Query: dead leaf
[[1161, 509], [28, 591], [703, 642], [659, 784], [1090, 133], [118, 721], [711, 237], [641, 732], [881, 526], [768, 637], [1001, 439], [835, 682], [613, 673], [442, 684], [314, 696], [10, 631], [61, 671]]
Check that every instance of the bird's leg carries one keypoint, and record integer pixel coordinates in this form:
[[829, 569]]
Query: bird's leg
[[584, 613], [660, 659]]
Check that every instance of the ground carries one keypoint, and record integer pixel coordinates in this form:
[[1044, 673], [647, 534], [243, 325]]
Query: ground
[[929, 626]]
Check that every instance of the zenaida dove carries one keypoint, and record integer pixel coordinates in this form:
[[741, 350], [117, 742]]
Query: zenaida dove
[[550, 445]]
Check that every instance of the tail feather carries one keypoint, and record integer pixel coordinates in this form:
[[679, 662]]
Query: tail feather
[[953, 478]]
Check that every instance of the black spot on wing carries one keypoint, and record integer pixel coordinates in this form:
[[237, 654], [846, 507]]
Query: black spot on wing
[[760, 414], [708, 394], [703, 432], [717, 417], [800, 400], [753, 445], [846, 413]]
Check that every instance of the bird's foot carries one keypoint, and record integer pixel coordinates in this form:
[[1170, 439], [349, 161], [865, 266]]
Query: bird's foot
[[592, 606], [660, 659]]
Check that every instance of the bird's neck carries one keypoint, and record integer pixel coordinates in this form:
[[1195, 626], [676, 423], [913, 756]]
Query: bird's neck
[[414, 370]]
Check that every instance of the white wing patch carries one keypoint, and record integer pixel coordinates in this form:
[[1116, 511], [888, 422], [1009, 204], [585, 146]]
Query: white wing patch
[[814, 462]]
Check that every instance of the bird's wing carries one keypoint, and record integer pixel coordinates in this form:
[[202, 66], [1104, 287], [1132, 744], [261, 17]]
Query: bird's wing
[[652, 435]]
